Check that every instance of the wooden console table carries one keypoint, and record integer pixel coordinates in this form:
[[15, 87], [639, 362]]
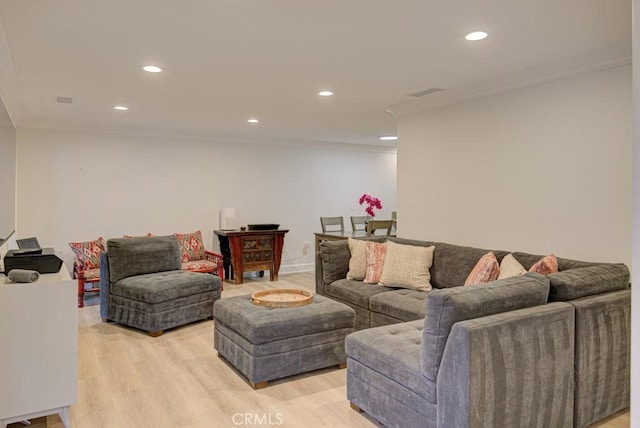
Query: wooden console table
[[250, 251]]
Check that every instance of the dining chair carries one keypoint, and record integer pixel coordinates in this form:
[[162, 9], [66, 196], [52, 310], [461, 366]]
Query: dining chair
[[358, 220], [332, 221], [374, 225], [394, 217]]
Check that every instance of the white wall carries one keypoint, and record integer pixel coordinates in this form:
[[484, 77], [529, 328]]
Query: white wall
[[78, 186], [543, 169]]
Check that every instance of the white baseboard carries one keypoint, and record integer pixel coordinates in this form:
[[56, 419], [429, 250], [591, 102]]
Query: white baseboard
[[302, 267]]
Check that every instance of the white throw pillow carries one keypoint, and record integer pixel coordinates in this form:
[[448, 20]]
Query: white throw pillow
[[358, 260], [510, 267], [407, 266]]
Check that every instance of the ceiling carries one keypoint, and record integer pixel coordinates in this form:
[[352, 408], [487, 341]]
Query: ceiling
[[226, 61]]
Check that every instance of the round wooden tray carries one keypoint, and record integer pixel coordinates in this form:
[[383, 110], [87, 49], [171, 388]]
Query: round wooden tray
[[282, 298]]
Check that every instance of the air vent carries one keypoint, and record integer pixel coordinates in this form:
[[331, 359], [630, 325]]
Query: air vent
[[425, 92], [64, 100]]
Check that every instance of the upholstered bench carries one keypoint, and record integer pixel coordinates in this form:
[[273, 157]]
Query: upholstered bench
[[271, 343]]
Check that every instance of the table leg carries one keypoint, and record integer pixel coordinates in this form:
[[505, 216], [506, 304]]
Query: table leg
[[64, 416]]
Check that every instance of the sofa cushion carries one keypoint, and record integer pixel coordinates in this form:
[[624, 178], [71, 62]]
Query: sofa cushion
[[358, 260], [165, 286], [393, 351], [580, 282], [90, 274], [138, 256], [200, 265], [510, 267], [545, 265], [352, 291], [403, 304], [376, 253], [334, 256], [407, 266], [446, 307], [453, 263], [487, 269]]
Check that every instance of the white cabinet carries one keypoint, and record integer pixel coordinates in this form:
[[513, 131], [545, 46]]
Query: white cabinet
[[38, 348]]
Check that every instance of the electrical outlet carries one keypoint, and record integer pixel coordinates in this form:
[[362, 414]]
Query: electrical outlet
[[305, 248]]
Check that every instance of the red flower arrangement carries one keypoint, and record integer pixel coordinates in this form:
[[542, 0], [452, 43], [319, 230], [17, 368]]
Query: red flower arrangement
[[372, 202]]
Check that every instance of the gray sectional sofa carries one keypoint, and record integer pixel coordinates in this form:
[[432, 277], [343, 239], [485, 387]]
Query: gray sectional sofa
[[526, 351]]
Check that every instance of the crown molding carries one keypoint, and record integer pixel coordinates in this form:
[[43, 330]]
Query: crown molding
[[612, 56], [9, 86], [379, 147]]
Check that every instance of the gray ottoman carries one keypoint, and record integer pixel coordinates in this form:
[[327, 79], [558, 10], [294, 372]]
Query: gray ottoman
[[271, 343]]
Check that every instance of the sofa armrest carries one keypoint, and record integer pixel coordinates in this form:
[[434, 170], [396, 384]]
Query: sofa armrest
[[319, 275], [213, 257], [510, 369], [218, 260], [332, 263], [603, 355], [104, 286]]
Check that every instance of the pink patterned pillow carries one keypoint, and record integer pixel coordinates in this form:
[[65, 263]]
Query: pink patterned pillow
[[375, 252], [192, 246], [546, 265], [88, 253], [148, 235], [487, 269]]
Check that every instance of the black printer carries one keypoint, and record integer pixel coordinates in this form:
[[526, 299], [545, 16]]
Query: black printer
[[42, 260]]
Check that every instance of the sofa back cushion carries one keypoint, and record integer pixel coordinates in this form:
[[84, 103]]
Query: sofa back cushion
[[335, 257], [138, 256], [527, 260], [415, 242], [452, 264], [586, 281], [576, 278], [448, 306]]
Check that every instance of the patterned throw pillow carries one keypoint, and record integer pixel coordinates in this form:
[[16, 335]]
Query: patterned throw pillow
[[375, 252], [546, 265], [510, 267], [192, 246], [407, 266], [88, 253], [358, 260], [487, 269]]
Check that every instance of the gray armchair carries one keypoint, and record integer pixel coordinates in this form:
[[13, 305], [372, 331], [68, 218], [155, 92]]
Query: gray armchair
[[142, 285]]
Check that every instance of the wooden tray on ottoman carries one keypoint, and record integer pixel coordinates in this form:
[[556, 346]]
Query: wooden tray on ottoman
[[282, 298]]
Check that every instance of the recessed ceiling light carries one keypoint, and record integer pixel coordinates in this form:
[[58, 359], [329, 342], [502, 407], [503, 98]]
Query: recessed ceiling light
[[253, 121], [121, 108], [476, 35], [325, 93], [152, 69], [388, 138]]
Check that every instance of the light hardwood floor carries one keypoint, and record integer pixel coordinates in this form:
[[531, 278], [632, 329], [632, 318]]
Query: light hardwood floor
[[128, 379]]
